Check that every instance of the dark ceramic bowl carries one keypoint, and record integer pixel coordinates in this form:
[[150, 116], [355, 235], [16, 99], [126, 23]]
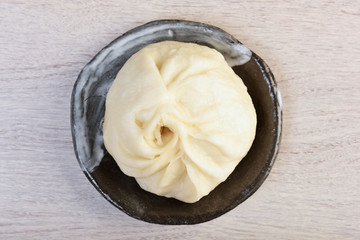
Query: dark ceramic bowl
[[87, 114]]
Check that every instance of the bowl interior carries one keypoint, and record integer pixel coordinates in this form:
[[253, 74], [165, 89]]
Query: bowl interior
[[88, 108]]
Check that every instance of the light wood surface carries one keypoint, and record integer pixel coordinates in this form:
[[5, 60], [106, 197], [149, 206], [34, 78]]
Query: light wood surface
[[312, 47]]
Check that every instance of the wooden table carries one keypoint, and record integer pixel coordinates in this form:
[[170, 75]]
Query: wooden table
[[313, 191]]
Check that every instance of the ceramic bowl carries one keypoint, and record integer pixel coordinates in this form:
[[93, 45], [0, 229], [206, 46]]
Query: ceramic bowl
[[87, 114]]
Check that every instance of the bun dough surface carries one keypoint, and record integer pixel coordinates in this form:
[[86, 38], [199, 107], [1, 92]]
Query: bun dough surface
[[178, 119]]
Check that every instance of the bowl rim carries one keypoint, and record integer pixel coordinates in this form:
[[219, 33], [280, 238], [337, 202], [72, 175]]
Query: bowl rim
[[259, 180]]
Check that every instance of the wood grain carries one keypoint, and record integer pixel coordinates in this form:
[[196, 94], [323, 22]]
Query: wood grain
[[313, 191]]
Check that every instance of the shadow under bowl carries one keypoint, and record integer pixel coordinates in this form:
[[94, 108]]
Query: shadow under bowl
[[87, 115]]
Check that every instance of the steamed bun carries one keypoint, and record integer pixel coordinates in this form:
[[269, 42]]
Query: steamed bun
[[178, 119]]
